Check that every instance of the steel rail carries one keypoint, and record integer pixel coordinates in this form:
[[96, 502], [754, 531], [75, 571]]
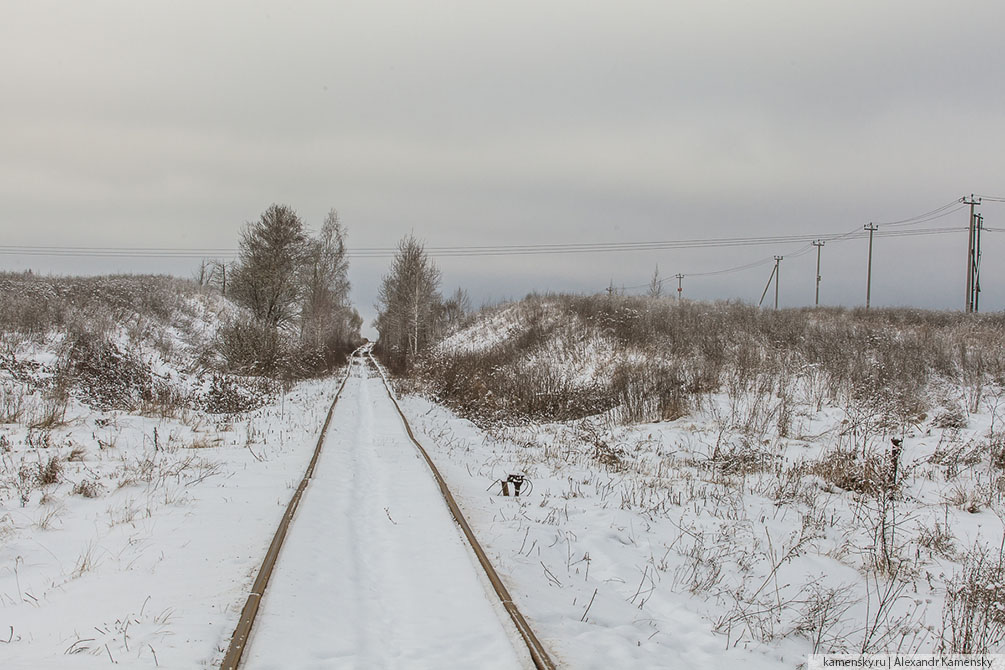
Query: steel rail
[[537, 651], [239, 640]]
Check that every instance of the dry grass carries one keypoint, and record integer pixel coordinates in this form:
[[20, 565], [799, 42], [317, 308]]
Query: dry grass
[[88, 488], [106, 332], [974, 613], [751, 390], [669, 357]]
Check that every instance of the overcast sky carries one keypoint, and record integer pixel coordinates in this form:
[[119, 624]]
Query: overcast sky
[[140, 124]]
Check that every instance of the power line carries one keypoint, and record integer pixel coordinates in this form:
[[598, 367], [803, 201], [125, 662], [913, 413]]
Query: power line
[[802, 251], [460, 251], [938, 212], [482, 250]]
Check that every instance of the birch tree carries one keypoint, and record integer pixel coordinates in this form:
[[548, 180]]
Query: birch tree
[[326, 314], [408, 303]]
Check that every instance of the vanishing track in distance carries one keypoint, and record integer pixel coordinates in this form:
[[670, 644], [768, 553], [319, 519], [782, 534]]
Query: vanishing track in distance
[[239, 640]]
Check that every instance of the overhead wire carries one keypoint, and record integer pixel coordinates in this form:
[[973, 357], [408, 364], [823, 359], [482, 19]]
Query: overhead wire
[[802, 251], [536, 249], [938, 212], [464, 251]]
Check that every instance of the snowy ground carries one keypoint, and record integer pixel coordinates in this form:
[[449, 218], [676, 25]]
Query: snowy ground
[[755, 529], [635, 549], [142, 550]]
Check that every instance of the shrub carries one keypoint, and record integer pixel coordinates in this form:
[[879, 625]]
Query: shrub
[[973, 618], [89, 488], [850, 470], [664, 356], [49, 472], [249, 346], [108, 377]]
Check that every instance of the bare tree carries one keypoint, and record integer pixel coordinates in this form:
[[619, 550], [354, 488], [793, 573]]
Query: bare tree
[[218, 275], [656, 284], [409, 303], [205, 272], [455, 308], [328, 323]]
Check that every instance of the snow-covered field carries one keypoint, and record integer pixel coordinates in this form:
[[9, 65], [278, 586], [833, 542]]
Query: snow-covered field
[[635, 550], [141, 551], [783, 505], [814, 482], [138, 491]]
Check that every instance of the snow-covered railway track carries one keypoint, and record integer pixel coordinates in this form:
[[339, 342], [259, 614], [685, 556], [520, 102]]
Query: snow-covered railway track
[[540, 657], [238, 641], [376, 575]]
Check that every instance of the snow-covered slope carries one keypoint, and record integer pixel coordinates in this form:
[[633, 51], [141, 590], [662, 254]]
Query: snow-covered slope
[[121, 342], [139, 485], [825, 482]]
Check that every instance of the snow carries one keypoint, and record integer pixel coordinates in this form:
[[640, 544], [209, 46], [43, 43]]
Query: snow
[[374, 572], [672, 555], [557, 546], [656, 559], [487, 333], [154, 571], [606, 564]]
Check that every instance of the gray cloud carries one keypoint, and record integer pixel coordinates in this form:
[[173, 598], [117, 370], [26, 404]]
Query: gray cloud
[[143, 124]]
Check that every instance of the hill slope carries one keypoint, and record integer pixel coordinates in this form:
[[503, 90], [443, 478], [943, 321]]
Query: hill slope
[[777, 482]]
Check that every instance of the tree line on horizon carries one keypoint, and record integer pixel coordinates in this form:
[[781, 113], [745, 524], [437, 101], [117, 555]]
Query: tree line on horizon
[[295, 287]]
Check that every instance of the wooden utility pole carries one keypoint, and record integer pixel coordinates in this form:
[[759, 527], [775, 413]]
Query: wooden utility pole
[[872, 228], [774, 273], [819, 244], [778, 271], [977, 263], [971, 245], [680, 285]]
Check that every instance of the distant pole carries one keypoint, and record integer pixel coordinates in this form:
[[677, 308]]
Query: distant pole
[[778, 260], [977, 263], [768, 285], [819, 244], [971, 243], [680, 285], [872, 228]]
